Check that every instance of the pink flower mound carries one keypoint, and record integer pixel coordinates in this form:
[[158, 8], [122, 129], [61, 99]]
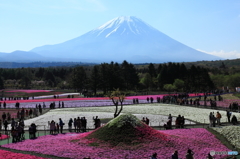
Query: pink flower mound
[[199, 140], [2, 137], [150, 134], [11, 155]]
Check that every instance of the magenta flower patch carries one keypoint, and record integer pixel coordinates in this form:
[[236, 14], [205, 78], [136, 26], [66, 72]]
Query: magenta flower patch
[[11, 155], [198, 139], [3, 136]]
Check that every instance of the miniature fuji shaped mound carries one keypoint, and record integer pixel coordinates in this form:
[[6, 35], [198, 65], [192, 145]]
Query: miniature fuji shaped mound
[[125, 130]]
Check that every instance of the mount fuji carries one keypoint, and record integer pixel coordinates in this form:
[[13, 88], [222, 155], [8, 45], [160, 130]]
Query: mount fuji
[[124, 38]]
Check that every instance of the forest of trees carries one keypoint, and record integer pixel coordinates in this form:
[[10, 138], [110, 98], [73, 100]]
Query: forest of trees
[[106, 77]]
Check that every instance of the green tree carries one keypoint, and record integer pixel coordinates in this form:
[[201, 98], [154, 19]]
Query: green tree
[[233, 80], [117, 97], [169, 87], [152, 70], [163, 77], [49, 77], [104, 77], [1, 83], [95, 79], [129, 75], [78, 78], [179, 84], [147, 81]]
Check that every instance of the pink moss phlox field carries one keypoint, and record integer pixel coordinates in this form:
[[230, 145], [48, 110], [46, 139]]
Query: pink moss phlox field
[[54, 100], [12, 155], [3, 136], [144, 97], [225, 103], [29, 91], [75, 146]]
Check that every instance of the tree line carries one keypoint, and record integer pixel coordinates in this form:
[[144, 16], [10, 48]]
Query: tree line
[[107, 77]]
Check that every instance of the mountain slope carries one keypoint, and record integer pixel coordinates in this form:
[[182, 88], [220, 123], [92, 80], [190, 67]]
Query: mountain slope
[[125, 38], [20, 56]]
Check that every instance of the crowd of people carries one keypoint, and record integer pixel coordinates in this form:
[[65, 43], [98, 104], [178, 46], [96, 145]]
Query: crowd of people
[[179, 122], [145, 120], [74, 125], [14, 98], [215, 119], [53, 105], [175, 155]]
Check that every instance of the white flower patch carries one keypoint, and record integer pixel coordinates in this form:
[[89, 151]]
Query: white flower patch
[[156, 112], [231, 133]]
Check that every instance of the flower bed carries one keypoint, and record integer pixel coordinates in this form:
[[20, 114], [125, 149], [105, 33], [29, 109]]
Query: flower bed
[[13, 155], [29, 91], [157, 113], [3, 136], [152, 111], [199, 140], [144, 97], [68, 102], [231, 133]]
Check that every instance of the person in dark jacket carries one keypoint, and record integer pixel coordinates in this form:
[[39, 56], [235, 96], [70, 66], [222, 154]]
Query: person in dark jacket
[[61, 125], [175, 155]]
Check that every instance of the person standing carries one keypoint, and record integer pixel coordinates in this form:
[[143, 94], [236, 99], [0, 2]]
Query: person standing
[[210, 119], [0, 125], [214, 121], [5, 123], [189, 154], [75, 124], [218, 116], [234, 120], [61, 125], [70, 122], [175, 155], [84, 124], [228, 116], [154, 156], [147, 121], [79, 124], [52, 127], [4, 116], [34, 126], [97, 122], [4, 105]]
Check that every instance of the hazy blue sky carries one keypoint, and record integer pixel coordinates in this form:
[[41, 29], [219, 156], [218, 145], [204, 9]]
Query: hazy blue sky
[[211, 26]]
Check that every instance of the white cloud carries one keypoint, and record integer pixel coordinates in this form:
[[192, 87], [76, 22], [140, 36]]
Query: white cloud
[[226, 55]]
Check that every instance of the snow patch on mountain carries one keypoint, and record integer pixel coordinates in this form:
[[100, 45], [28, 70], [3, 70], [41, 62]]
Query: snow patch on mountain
[[123, 24]]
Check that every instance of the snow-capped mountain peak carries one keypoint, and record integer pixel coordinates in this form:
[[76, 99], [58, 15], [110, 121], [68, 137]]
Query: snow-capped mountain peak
[[124, 38], [122, 25]]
